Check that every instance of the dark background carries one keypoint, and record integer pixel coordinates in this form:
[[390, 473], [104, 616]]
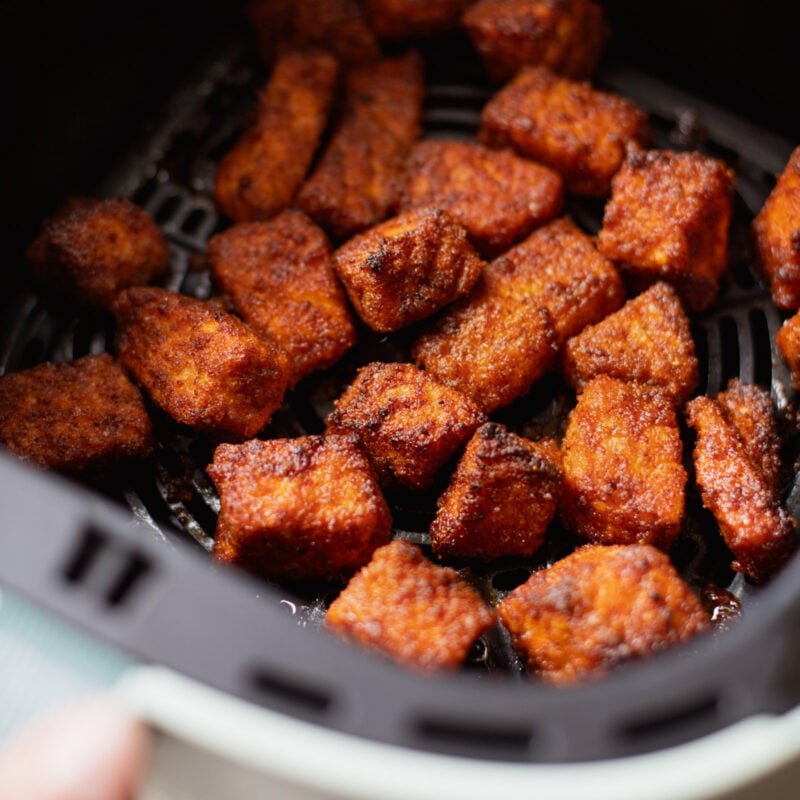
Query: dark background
[[81, 78]]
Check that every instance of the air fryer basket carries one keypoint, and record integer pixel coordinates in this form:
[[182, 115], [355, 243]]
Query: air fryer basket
[[150, 588]]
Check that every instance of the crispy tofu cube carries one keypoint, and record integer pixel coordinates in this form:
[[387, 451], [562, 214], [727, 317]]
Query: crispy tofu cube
[[648, 340], [498, 197], [568, 36], [337, 26], [776, 234], [501, 498], [788, 342], [298, 509], [93, 248], [598, 607], [279, 277], [82, 417], [400, 19], [491, 347], [624, 479], [358, 178], [205, 368], [734, 459], [261, 175], [578, 131], [407, 268], [409, 424], [668, 219], [404, 607]]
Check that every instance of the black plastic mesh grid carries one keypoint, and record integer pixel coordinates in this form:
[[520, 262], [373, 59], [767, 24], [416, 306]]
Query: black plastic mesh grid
[[171, 176]]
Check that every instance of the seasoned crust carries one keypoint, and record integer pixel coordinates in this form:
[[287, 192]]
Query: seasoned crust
[[502, 497], [403, 606], [400, 19], [205, 368], [776, 235], [358, 177], [260, 176], [578, 131], [668, 219], [278, 275], [648, 340], [82, 417], [597, 607], [624, 479], [788, 342], [298, 509], [407, 268], [735, 465], [498, 197], [91, 248], [409, 424], [568, 36]]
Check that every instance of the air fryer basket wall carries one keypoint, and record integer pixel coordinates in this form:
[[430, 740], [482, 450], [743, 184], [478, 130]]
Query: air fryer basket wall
[[83, 559]]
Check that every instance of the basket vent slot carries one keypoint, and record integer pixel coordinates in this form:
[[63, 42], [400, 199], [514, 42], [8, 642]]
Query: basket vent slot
[[698, 712], [291, 693], [106, 568], [486, 738]]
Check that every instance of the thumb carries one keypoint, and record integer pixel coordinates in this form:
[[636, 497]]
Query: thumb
[[90, 751]]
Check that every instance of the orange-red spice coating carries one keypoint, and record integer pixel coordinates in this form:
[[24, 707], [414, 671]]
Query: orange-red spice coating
[[279, 277], [598, 607], [490, 347], [735, 488], [403, 606], [358, 177], [568, 36], [205, 368], [93, 248], [788, 342], [260, 175], [575, 129], [776, 235], [81, 417], [624, 479], [497, 196], [407, 268], [501, 498], [668, 219], [337, 26], [648, 340], [298, 509], [400, 19], [409, 424]]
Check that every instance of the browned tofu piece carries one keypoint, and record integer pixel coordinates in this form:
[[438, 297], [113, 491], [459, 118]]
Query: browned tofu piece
[[568, 36], [501, 498], [410, 424], [298, 509], [576, 130], [93, 248], [358, 177], [82, 417], [730, 455], [407, 268], [399, 19], [403, 606], [491, 347], [788, 342], [279, 277], [668, 219], [776, 234], [598, 607], [337, 26], [260, 176], [624, 479], [648, 340], [498, 197], [205, 368]]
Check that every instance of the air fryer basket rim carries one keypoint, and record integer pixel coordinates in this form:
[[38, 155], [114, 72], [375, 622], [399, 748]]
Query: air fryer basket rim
[[267, 659]]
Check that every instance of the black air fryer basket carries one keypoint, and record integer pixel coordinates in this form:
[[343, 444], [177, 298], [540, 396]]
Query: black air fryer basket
[[127, 561]]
